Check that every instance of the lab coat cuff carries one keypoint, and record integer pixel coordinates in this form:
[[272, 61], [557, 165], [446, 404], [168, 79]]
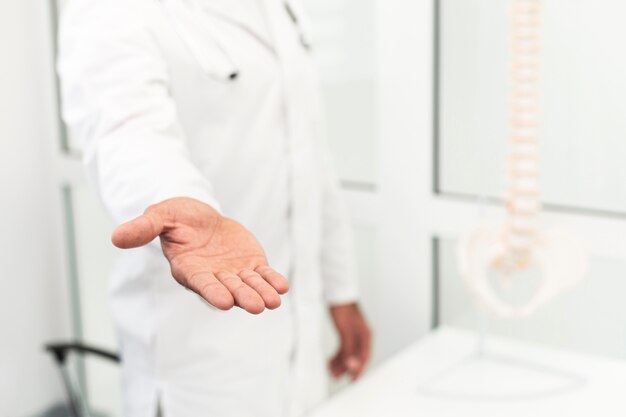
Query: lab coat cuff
[[343, 296]]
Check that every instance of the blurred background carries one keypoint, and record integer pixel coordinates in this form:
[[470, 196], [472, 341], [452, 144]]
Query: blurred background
[[416, 106]]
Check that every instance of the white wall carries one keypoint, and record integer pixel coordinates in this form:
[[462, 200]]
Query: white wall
[[32, 293]]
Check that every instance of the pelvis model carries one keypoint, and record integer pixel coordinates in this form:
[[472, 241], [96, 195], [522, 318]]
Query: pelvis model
[[507, 250]]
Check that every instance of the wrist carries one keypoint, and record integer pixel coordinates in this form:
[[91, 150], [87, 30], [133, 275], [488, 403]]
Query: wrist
[[342, 305]]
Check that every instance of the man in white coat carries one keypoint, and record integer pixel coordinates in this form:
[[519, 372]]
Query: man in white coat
[[200, 124]]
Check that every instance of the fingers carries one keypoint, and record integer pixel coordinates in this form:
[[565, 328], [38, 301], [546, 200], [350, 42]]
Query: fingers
[[276, 280], [357, 355], [365, 350], [357, 362], [263, 288], [225, 290], [337, 366], [245, 297], [339, 363], [247, 290], [355, 367], [354, 352], [207, 286], [138, 232]]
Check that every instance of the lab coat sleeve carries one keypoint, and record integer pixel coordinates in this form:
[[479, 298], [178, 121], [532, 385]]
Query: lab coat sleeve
[[116, 103], [338, 260]]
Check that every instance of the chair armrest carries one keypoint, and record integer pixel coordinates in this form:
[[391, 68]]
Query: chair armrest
[[60, 351]]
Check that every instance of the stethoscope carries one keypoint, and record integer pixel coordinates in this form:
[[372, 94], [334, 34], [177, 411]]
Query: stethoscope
[[187, 23], [304, 41]]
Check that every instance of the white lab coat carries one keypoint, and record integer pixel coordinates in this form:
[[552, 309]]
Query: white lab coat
[[146, 88]]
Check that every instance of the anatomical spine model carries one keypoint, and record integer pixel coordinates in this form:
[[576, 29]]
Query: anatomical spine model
[[519, 244]]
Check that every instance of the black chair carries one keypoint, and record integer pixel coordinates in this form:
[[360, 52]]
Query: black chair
[[60, 352]]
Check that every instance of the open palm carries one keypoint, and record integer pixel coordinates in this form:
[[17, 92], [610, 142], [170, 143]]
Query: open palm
[[212, 255]]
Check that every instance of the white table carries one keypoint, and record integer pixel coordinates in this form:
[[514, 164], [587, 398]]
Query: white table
[[442, 375]]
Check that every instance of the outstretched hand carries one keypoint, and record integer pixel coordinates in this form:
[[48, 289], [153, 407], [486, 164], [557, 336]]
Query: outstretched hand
[[210, 254]]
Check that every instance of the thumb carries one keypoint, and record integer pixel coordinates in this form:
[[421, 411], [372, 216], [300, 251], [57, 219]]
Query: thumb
[[353, 364], [138, 232]]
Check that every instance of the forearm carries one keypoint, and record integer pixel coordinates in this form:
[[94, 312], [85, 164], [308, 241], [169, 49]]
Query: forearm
[[116, 101]]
